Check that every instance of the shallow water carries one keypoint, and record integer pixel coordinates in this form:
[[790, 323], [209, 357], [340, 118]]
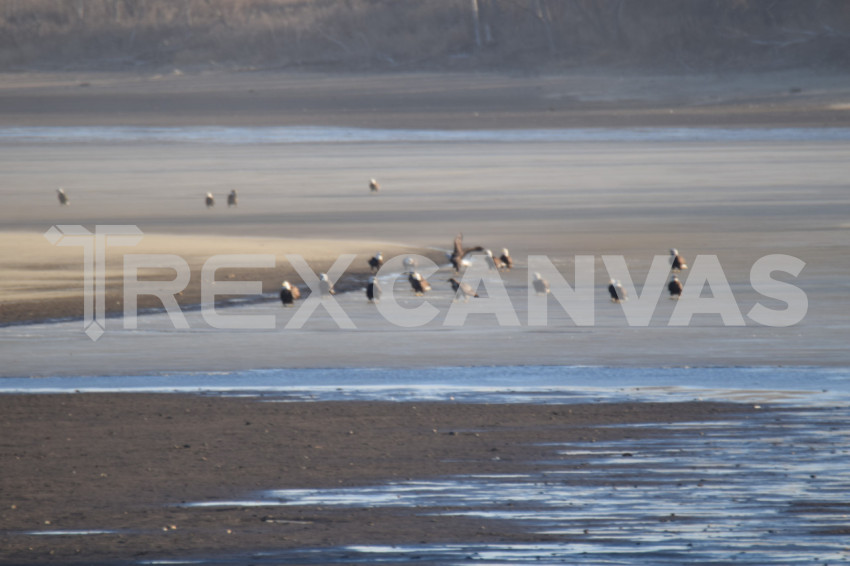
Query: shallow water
[[477, 384], [290, 135], [773, 490]]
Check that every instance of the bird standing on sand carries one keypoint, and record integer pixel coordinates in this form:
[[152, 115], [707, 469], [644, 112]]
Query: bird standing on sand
[[677, 262], [374, 186], [462, 289], [458, 252], [210, 200], [376, 261], [615, 289], [507, 261], [62, 196], [373, 290], [325, 285], [419, 285], [232, 199], [541, 286], [675, 287], [288, 294]]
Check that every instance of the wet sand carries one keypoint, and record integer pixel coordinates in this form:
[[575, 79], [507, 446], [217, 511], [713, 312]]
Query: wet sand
[[125, 463]]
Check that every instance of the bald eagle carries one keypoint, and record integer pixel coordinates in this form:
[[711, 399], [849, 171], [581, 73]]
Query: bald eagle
[[615, 289], [677, 262], [462, 289], [420, 286], [325, 285], [675, 287], [373, 290], [210, 200], [62, 196], [507, 261], [458, 252], [374, 186], [231, 199], [541, 286], [376, 261], [288, 294]]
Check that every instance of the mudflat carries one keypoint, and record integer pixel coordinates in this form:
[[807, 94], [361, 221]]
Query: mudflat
[[129, 464]]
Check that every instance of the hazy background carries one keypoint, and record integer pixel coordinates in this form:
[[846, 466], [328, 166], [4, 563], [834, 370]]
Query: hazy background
[[694, 35]]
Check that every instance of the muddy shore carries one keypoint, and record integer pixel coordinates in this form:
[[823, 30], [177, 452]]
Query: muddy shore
[[126, 462]]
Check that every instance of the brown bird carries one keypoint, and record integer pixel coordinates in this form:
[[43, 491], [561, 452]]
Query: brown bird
[[458, 253], [462, 289], [675, 287], [232, 199], [62, 196], [677, 261], [507, 261]]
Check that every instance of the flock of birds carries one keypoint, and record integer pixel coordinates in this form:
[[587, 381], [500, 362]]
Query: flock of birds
[[290, 293], [674, 286], [419, 285]]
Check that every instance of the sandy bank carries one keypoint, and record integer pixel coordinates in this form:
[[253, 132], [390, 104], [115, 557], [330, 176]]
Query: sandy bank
[[41, 280]]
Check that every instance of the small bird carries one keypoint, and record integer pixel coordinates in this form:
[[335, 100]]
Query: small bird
[[507, 261], [677, 262], [675, 287], [373, 290], [289, 294], [374, 186], [462, 289], [458, 252], [325, 285], [376, 261], [63, 197], [210, 200], [541, 286], [232, 199], [420, 286], [615, 289]]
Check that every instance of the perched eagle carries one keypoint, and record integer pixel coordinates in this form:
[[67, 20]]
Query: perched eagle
[[675, 287], [507, 261], [541, 286], [419, 285], [325, 285], [615, 289], [231, 199], [374, 186], [376, 261], [210, 200], [288, 294], [373, 290], [677, 262], [62, 196]]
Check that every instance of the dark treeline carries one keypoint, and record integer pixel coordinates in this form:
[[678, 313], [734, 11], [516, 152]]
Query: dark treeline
[[424, 34]]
